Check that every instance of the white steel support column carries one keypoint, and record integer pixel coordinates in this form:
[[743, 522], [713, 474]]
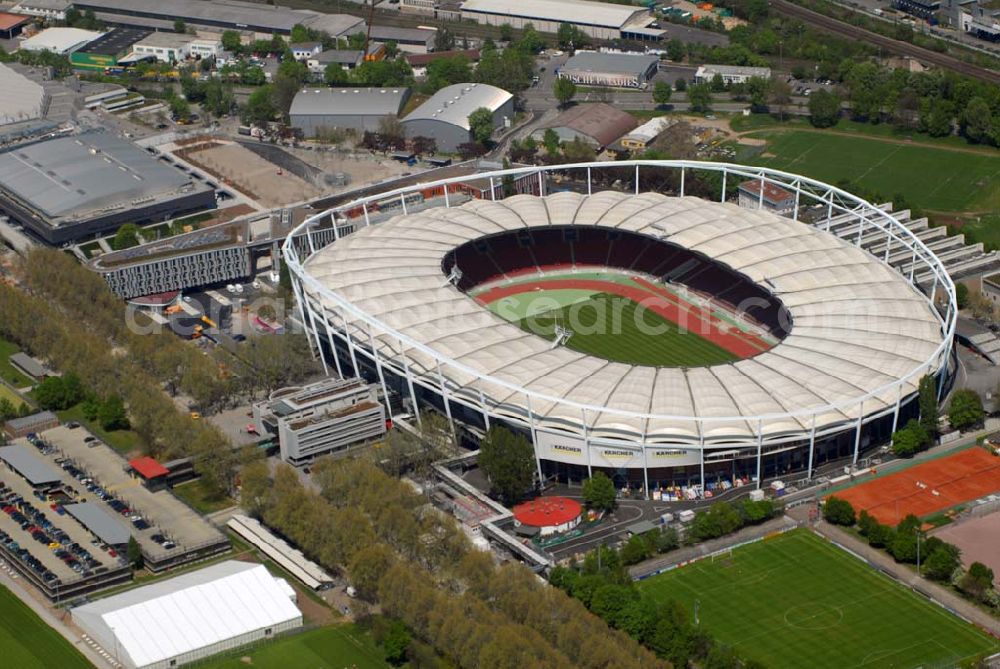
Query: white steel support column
[[493, 193], [447, 201], [589, 186], [683, 174], [304, 313], [895, 413], [760, 451], [888, 245], [798, 190], [315, 331], [934, 289], [409, 382], [447, 400], [350, 346], [586, 441], [760, 198], [812, 449], [913, 263], [637, 179], [364, 208], [336, 232], [330, 339], [486, 414], [534, 438], [541, 184], [722, 195], [645, 473], [701, 463], [829, 211], [378, 370], [309, 240], [402, 201], [857, 433], [861, 229]]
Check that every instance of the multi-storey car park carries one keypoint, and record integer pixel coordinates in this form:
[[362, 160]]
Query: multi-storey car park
[[827, 338]]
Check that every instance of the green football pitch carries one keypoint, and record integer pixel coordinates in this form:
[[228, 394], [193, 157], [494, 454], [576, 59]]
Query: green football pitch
[[324, 648], [798, 601], [937, 179], [26, 642], [616, 328]]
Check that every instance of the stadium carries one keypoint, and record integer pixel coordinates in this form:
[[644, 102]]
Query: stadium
[[663, 339]]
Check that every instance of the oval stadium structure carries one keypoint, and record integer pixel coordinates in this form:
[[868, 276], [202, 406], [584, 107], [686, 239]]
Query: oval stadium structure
[[661, 338]]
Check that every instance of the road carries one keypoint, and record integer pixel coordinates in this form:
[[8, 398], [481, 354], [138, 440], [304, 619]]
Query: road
[[895, 46]]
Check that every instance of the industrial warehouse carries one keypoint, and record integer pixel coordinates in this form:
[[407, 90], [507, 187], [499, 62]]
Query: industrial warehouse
[[600, 20], [624, 70], [445, 116], [315, 109], [65, 188]]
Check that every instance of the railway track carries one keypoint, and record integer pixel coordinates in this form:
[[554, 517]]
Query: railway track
[[903, 48]]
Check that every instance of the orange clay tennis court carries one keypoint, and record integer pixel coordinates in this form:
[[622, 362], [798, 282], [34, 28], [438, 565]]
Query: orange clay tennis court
[[928, 488]]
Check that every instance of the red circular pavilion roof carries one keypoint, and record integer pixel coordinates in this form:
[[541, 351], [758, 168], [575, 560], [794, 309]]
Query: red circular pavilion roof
[[546, 511]]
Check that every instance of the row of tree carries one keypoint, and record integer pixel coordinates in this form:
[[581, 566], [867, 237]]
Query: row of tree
[[420, 568], [602, 583], [938, 560]]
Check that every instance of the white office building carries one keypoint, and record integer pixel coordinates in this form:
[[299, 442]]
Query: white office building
[[731, 74]]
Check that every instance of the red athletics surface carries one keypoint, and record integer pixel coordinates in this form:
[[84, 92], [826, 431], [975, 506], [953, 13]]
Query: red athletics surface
[[661, 302], [927, 488], [546, 511]]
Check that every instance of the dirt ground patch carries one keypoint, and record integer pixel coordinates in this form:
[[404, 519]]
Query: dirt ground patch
[[751, 141], [979, 540], [251, 174], [360, 168]]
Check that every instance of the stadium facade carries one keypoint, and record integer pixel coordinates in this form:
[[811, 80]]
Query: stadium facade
[[855, 332]]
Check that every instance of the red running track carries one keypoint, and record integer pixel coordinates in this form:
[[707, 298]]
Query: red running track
[[664, 304]]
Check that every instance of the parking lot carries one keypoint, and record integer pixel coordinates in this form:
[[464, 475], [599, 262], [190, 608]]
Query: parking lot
[[165, 527]]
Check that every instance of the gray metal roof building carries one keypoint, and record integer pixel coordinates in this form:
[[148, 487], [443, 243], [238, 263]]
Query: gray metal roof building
[[101, 524], [593, 68], [602, 20], [354, 108], [445, 116], [68, 187], [35, 470], [226, 14], [412, 40], [28, 365], [22, 98]]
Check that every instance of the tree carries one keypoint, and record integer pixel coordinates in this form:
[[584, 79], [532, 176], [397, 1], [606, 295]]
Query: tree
[[941, 562], [661, 93], [599, 492], [680, 85], [928, 403], [231, 40], [508, 460], [180, 109], [447, 71], [506, 32], [962, 295], [718, 84], [676, 50], [259, 109], [779, 95], [299, 34], [578, 151], [126, 237], [112, 415], [57, 393], [396, 643], [977, 582], [481, 124], [966, 409], [133, 554], [910, 440], [179, 26], [444, 40], [636, 549], [977, 121], [824, 109], [700, 97], [294, 69], [564, 90], [550, 140], [838, 511]]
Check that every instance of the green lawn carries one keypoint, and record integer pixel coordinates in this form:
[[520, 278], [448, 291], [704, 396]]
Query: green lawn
[[324, 648], [26, 642], [124, 441], [933, 178], [618, 329], [12, 397], [798, 601], [200, 499], [7, 370]]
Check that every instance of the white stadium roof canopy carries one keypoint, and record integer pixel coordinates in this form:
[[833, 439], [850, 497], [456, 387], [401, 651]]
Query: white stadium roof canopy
[[603, 14], [195, 610], [858, 326]]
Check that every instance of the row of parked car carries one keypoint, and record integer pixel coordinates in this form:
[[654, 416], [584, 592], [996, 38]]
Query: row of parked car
[[117, 505], [34, 521], [44, 447]]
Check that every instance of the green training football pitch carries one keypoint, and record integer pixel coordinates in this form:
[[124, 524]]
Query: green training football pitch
[[26, 642], [616, 328], [798, 601], [932, 178], [324, 648]]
